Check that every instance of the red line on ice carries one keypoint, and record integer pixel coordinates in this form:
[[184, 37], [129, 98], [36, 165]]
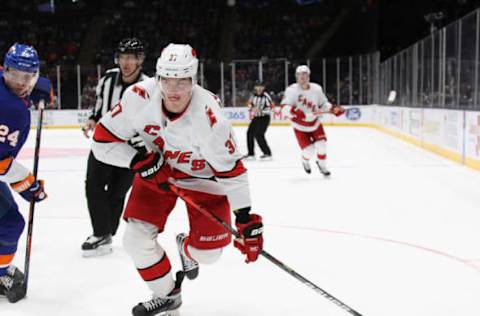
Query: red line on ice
[[27, 153], [473, 264]]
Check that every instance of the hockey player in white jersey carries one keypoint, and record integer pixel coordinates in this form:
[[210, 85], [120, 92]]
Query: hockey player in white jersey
[[192, 146], [304, 102]]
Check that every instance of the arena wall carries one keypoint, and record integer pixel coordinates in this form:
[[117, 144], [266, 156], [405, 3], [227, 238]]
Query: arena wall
[[454, 134]]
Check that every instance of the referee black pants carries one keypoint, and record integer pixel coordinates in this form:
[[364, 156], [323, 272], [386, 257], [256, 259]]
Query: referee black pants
[[106, 187], [256, 130]]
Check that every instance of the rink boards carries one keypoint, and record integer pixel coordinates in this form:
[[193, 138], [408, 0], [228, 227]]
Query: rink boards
[[454, 134]]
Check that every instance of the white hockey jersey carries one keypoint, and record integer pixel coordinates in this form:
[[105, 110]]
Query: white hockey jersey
[[199, 144], [299, 105]]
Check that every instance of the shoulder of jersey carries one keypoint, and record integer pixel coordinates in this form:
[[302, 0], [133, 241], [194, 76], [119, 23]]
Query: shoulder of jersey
[[12, 107], [292, 87], [141, 90], [316, 86], [138, 94], [3, 90], [5, 95], [207, 107], [144, 77], [206, 97]]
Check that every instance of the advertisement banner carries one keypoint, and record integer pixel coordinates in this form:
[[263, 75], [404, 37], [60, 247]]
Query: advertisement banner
[[451, 133], [414, 117], [472, 137], [237, 115], [432, 126], [61, 118], [453, 130]]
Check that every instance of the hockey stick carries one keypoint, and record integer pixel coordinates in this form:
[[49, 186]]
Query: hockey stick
[[41, 106], [348, 112], [265, 254]]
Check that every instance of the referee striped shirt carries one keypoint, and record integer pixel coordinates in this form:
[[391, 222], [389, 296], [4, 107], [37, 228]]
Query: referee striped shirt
[[109, 91], [262, 102]]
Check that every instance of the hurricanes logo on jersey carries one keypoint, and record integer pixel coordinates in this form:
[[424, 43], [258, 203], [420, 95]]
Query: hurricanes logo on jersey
[[305, 102]]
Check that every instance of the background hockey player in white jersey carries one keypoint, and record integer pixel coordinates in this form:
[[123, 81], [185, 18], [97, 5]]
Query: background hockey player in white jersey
[[192, 146], [303, 103]]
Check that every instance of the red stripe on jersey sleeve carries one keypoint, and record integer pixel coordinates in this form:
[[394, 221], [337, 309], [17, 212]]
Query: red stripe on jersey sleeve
[[156, 271], [236, 171], [103, 135]]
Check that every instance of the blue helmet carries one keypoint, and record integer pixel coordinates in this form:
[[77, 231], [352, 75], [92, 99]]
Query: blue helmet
[[22, 57]]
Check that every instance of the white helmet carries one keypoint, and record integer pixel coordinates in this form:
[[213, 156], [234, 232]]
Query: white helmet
[[302, 68], [177, 61]]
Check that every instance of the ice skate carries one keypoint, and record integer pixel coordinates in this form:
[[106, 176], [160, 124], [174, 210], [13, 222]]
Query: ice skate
[[190, 266], [11, 288], [306, 166], [323, 169], [248, 157], [162, 306], [265, 157], [15, 274], [97, 246]]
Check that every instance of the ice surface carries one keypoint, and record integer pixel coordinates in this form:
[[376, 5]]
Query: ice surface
[[395, 231]]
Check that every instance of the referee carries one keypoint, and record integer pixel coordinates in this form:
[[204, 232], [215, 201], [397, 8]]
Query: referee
[[106, 186], [260, 105]]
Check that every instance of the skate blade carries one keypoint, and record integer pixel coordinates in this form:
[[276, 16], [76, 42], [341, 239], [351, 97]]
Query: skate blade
[[192, 274], [100, 251], [174, 312]]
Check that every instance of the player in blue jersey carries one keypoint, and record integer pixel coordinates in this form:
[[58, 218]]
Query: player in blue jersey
[[20, 74]]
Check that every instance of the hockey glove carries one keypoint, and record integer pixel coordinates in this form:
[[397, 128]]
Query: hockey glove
[[297, 113], [337, 110], [250, 242], [138, 143], [147, 165], [30, 189]]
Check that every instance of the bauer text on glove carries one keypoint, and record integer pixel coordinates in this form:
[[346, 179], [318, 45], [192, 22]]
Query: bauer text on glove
[[250, 242]]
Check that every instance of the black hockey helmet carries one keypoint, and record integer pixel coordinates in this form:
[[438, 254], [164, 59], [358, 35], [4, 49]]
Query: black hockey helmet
[[130, 45]]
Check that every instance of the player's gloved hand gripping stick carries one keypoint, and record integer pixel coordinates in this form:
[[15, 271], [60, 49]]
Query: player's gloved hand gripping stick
[[241, 239], [249, 237]]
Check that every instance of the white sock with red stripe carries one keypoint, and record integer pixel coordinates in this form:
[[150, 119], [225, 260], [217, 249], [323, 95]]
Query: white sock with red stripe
[[321, 147], [321, 159], [151, 261], [158, 276], [308, 152]]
